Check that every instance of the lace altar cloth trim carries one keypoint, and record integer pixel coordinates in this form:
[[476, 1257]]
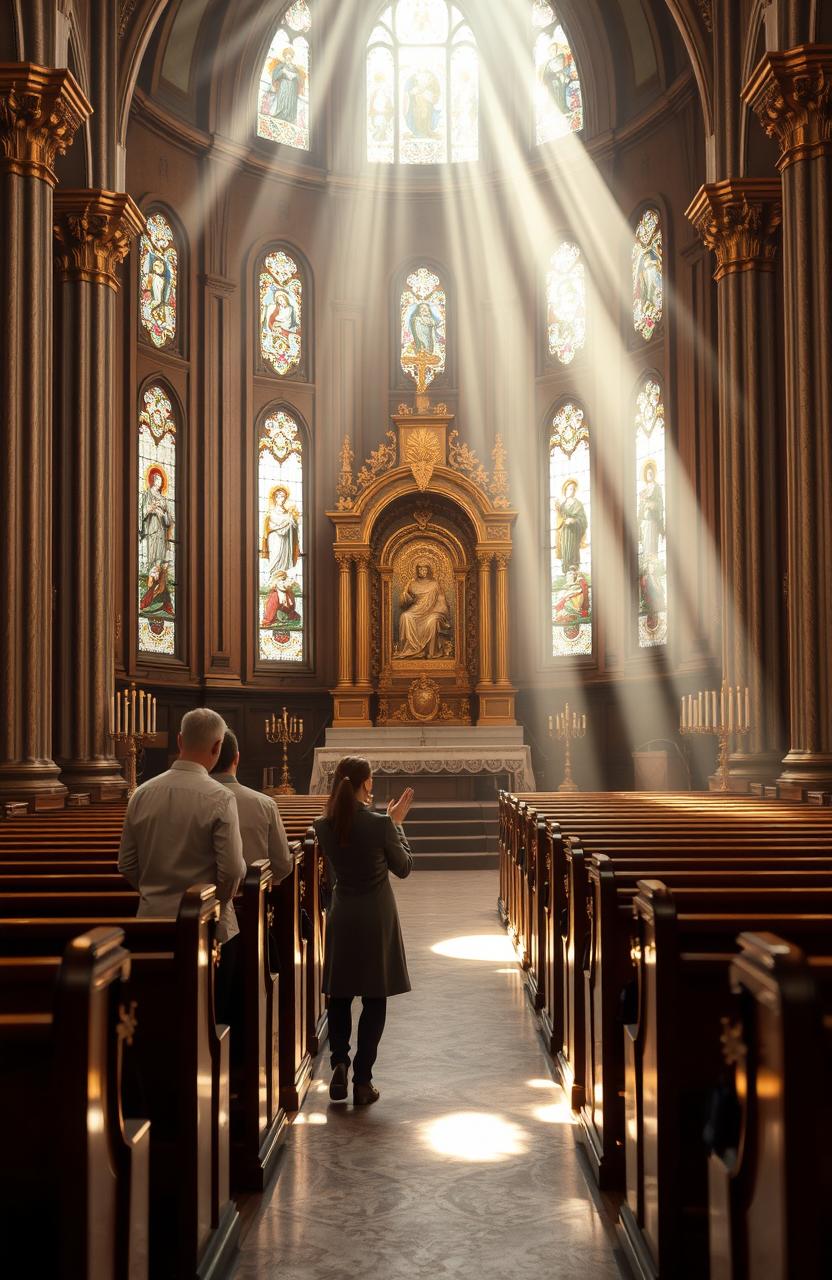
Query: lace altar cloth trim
[[517, 763]]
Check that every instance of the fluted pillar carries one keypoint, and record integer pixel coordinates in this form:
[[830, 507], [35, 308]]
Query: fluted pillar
[[93, 230], [41, 110], [484, 559], [501, 613], [345, 620], [362, 620], [791, 93], [738, 219]]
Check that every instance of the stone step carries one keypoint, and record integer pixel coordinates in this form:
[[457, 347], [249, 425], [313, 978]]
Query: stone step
[[456, 843], [455, 861]]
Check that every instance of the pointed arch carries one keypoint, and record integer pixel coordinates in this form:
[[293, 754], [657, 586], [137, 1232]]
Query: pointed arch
[[282, 595], [283, 300], [283, 93]]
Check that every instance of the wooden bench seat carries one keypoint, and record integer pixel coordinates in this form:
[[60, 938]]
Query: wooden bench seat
[[69, 1156]]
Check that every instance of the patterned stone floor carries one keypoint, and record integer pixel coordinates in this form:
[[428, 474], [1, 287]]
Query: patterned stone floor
[[467, 1167]]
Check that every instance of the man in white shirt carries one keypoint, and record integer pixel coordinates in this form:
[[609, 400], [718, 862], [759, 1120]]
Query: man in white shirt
[[182, 828], [261, 825]]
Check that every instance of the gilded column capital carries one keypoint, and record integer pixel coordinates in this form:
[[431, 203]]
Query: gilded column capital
[[791, 94], [93, 230], [501, 559], [738, 219], [345, 559], [484, 558], [41, 110]]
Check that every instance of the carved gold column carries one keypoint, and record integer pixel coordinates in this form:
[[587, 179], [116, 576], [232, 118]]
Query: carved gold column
[[345, 621], [362, 620], [93, 230], [484, 559], [791, 93], [738, 219], [501, 611], [41, 110]]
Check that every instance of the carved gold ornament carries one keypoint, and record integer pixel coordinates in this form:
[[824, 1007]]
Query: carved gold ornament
[[422, 455], [93, 231], [379, 461], [738, 219], [346, 487], [423, 699]]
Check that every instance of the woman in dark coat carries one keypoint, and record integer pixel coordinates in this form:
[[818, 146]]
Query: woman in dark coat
[[364, 953]]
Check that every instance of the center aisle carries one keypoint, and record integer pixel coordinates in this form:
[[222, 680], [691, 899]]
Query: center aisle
[[466, 1167]]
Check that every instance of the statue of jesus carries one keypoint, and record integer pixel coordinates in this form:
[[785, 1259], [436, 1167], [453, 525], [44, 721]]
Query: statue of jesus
[[424, 615]]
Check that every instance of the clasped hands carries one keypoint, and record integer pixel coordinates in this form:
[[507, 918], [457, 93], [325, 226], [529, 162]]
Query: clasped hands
[[398, 809]]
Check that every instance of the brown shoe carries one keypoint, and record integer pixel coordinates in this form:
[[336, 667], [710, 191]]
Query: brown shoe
[[338, 1083], [364, 1094]]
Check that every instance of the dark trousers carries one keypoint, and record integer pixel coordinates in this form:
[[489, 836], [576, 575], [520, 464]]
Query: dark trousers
[[370, 1027]]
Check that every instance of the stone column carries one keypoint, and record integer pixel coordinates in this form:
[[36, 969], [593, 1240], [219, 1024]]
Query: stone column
[[501, 613], [484, 559], [93, 230], [738, 219], [791, 93], [344, 620], [362, 620], [41, 110]]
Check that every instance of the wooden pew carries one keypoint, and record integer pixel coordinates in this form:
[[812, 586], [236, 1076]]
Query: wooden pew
[[177, 1071], [70, 1158], [770, 1169], [682, 961], [295, 1059]]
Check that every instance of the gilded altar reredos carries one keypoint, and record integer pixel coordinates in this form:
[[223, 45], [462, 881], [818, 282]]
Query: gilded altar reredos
[[423, 544]]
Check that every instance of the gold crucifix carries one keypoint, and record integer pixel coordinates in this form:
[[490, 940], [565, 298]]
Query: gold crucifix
[[420, 363]]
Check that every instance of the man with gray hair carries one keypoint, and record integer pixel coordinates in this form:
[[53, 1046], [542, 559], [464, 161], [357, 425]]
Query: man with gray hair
[[182, 828], [261, 825]]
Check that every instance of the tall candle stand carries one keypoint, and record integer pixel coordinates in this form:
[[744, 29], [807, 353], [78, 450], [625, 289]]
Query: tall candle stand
[[284, 730], [567, 726], [724, 715], [133, 724]]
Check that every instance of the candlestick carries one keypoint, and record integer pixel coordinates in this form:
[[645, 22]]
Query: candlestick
[[731, 709], [283, 731], [568, 727], [132, 721]]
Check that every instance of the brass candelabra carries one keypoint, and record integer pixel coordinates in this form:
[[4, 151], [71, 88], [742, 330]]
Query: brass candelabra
[[724, 715], [282, 731], [133, 724], [567, 726]]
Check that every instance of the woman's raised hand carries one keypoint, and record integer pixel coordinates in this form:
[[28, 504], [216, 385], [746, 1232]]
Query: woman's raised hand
[[398, 809]]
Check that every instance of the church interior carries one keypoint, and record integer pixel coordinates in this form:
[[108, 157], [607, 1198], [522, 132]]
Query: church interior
[[448, 385]]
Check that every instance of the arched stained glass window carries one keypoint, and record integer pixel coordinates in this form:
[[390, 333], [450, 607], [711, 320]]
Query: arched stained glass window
[[423, 325], [159, 280], [422, 85], [566, 302], [558, 100], [570, 532], [647, 274], [157, 523], [651, 487], [281, 312], [281, 589], [283, 94]]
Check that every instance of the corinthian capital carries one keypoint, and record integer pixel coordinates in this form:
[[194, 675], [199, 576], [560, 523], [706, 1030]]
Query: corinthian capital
[[93, 230], [738, 219], [41, 110], [791, 93]]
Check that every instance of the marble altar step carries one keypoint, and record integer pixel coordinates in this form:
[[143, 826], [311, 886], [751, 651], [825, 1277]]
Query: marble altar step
[[453, 836]]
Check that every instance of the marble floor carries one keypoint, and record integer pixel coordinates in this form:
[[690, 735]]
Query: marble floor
[[467, 1166]]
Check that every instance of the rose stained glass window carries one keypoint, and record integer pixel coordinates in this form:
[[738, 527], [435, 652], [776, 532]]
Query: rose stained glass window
[[647, 274], [570, 532], [157, 523], [281, 599], [422, 314], [558, 99], [159, 280], [283, 93], [566, 303], [281, 301], [651, 489], [422, 85]]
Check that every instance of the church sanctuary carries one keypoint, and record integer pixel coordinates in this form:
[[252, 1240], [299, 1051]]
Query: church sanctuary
[[416, 424]]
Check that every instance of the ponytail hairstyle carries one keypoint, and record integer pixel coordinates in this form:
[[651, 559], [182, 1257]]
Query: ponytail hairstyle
[[342, 804]]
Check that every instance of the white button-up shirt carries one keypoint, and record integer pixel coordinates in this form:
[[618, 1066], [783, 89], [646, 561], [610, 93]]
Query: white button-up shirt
[[182, 829], [261, 826]]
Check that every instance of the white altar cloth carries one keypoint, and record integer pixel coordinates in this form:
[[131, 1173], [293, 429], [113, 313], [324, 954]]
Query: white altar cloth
[[418, 749]]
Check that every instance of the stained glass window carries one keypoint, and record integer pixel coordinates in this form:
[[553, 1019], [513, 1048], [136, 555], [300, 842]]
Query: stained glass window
[[281, 594], [566, 302], [157, 523], [570, 528], [423, 325], [159, 280], [283, 95], [558, 100], [281, 298], [422, 85], [647, 274], [651, 487]]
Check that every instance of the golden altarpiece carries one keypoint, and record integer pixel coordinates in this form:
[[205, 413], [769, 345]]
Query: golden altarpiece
[[423, 544]]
